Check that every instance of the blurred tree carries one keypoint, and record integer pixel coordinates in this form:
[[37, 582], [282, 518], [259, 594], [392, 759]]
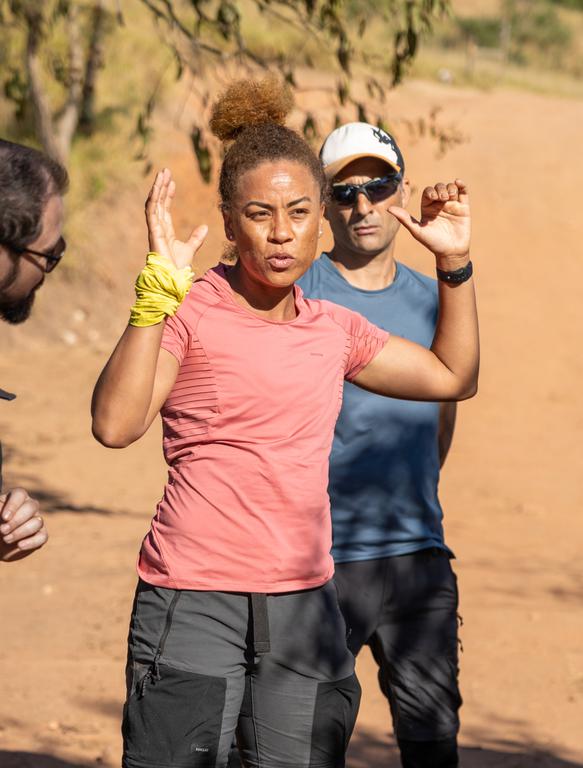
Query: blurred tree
[[53, 83], [533, 29], [577, 5], [205, 34], [50, 73], [203, 29]]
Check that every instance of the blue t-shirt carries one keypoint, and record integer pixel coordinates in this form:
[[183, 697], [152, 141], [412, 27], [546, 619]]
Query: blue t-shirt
[[384, 465]]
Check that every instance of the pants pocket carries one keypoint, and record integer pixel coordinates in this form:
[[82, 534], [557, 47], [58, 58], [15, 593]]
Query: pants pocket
[[334, 718], [172, 718]]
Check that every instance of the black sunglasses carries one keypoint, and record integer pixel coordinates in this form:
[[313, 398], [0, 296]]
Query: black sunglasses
[[53, 256], [374, 190]]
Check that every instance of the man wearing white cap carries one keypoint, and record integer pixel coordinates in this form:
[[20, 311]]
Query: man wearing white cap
[[395, 582]]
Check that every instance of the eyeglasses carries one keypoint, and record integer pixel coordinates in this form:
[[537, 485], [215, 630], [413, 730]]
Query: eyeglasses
[[53, 256], [374, 190]]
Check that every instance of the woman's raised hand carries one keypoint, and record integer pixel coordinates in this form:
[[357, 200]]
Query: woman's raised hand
[[444, 226], [161, 235]]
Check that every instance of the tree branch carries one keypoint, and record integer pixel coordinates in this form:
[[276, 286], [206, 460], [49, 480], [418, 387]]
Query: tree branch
[[40, 105], [69, 119], [93, 63]]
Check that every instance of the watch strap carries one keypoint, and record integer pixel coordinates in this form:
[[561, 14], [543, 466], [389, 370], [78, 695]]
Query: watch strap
[[456, 276]]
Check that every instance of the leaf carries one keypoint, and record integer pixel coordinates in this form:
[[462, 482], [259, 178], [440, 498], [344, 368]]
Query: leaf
[[375, 89], [228, 19], [309, 128], [179, 64], [412, 40], [16, 91], [60, 70], [342, 91], [382, 125], [202, 154], [343, 54], [361, 112], [290, 78], [61, 10]]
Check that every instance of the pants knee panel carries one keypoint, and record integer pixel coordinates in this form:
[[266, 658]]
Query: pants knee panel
[[173, 718], [334, 718]]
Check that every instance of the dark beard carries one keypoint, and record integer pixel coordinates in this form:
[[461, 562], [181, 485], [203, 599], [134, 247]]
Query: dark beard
[[18, 312]]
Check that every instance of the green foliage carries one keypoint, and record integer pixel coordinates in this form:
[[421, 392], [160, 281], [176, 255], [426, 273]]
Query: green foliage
[[196, 36], [576, 5], [215, 28], [525, 32], [16, 91], [52, 52], [540, 27], [483, 30], [310, 128], [330, 34], [532, 25]]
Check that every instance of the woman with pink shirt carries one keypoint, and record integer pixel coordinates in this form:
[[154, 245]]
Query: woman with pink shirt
[[235, 624]]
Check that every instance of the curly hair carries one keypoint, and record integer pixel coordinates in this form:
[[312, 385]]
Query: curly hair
[[251, 115], [28, 178]]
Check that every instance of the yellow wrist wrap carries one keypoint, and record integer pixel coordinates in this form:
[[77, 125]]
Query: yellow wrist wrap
[[160, 290]]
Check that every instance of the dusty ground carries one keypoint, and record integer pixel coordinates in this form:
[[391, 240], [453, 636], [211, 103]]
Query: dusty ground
[[512, 488]]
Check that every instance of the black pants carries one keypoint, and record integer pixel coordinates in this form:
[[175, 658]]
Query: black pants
[[405, 609]]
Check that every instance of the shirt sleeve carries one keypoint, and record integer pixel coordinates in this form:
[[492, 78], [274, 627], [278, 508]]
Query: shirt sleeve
[[176, 337], [365, 341]]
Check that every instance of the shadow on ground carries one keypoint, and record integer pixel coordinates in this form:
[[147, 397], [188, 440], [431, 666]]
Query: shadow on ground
[[55, 501], [39, 760], [367, 750]]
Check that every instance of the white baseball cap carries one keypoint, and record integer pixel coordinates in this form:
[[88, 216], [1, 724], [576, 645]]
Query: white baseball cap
[[354, 140]]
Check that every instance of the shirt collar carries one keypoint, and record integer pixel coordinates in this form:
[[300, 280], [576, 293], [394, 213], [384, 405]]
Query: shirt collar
[[217, 276]]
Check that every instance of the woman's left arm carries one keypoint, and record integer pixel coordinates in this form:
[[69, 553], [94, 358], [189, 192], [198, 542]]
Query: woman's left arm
[[449, 369]]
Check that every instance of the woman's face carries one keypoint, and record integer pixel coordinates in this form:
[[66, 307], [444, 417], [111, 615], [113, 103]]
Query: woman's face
[[275, 219]]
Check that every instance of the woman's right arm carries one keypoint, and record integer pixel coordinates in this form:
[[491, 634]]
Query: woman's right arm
[[139, 375], [132, 387]]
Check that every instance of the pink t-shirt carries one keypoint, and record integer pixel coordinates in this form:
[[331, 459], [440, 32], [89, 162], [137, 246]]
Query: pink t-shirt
[[248, 428]]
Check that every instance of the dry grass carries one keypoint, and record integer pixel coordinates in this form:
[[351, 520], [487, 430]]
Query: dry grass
[[485, 71]]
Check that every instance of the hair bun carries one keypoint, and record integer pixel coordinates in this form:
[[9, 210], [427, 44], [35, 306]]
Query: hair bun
[[250, 102]]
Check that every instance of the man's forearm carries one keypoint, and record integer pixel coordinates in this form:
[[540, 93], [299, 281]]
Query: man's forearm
[[456, 341]]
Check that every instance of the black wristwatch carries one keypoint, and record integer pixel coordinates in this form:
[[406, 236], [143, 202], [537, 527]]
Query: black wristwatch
[[457, 276]]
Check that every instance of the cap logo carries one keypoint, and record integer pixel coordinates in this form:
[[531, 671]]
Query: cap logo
[[381, 136]]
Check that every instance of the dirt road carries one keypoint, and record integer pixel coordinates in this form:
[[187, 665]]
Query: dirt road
[[512, 488]]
